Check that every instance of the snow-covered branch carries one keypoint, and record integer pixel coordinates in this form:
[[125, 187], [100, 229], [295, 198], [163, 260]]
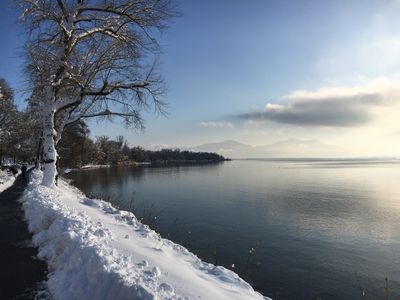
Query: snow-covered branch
[[86, 60]]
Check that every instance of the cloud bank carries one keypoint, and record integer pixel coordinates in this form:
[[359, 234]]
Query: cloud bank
[[333, 107]]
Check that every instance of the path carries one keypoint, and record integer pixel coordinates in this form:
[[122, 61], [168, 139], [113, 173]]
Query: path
[[20, 272]]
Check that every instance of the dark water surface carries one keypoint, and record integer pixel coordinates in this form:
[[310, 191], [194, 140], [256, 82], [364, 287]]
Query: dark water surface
[[318, 229]]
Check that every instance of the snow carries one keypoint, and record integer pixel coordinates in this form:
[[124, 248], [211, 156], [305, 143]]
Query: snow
[[95, 251], [90, 166], [67, 171], [6, 180]]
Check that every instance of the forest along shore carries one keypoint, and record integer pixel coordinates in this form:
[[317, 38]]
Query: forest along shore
[[80, 151]]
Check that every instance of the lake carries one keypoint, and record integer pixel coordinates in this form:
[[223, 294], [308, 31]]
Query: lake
[[294, 229]]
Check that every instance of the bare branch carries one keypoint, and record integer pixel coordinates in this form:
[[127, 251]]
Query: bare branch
[[86, 58]]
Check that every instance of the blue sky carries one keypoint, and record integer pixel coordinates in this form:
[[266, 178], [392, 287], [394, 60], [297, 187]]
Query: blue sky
[[224, 59]]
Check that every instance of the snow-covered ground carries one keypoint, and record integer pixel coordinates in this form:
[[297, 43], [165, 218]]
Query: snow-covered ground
[[94, 166], [6, 180], [95, 251]]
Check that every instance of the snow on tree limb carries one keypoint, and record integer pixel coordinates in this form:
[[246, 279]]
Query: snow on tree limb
[[87, 58], [103, 56]]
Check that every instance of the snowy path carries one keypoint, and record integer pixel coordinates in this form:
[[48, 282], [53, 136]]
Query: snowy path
[[20, 272], [95, 251]]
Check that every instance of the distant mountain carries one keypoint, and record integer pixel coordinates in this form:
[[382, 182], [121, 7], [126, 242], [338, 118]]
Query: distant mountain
[[300, 148], [288, 148], [157, 147], [223, 147]]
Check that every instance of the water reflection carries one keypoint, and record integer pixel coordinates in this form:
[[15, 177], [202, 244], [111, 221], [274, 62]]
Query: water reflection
[[316, 230]]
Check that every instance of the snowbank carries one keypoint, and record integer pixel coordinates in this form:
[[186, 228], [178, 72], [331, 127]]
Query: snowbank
[[6, 180], [95, 251], [95, 166]]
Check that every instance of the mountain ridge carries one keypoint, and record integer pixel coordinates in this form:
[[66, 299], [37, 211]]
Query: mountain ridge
[[285, 148]]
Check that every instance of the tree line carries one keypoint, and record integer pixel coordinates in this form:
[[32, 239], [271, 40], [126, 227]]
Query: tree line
[[91, 59], [17, 132], [77, 149], [21, 135]]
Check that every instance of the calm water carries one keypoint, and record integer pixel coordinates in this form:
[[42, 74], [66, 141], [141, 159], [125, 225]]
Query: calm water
[[320, 230]]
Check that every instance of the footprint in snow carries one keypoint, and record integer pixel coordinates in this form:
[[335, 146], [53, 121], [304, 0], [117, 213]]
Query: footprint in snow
[[142, 264], [165, 287]]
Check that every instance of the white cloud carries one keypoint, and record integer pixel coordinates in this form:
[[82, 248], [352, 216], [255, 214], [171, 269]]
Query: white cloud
[[218, 124], [374, 51], [374, 56], [331, 106], [364, 119]]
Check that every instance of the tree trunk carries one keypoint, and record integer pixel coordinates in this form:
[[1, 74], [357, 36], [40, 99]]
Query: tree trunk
[[49, 149], [39, 151]]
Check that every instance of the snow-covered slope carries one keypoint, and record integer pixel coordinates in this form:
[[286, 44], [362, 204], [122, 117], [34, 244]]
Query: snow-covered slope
[[6, 180], [95, 251]]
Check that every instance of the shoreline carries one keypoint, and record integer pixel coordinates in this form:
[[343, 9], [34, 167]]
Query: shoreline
[[125, 257], [133, 163]]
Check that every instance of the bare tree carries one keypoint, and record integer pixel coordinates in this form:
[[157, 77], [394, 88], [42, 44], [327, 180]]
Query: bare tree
[[90, 58]]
